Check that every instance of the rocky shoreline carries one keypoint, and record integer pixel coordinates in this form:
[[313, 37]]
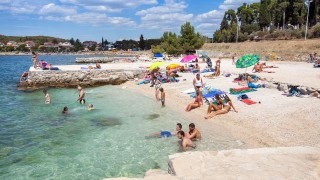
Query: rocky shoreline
[[92, 78]]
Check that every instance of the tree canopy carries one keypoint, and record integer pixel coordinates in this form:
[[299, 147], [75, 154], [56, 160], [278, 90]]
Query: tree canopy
[[188, 40], [267, 16]]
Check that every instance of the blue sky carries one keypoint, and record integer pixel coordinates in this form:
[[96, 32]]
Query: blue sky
[[111, 19]]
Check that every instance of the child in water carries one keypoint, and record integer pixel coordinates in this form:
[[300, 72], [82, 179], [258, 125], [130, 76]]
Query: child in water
[[163, 96], [46, 96], [90, 107], [65, 110]]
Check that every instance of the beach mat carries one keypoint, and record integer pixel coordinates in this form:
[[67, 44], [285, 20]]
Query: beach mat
[[248, 101], [241, 90]]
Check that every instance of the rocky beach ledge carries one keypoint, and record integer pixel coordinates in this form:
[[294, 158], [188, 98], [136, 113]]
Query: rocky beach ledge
[[71, 76]]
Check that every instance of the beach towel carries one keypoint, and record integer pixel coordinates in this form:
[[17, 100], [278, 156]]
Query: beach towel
[[144, 81], [248, 101], [241, 90]]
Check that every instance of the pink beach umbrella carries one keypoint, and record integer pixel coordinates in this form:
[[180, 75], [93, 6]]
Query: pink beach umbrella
[[188, 58]]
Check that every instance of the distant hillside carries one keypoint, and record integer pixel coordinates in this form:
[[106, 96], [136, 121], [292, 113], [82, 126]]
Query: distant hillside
[[36, 39], [282, 50]]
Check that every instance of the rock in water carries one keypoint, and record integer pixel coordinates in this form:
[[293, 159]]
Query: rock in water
[[111, 121], [153, 116]]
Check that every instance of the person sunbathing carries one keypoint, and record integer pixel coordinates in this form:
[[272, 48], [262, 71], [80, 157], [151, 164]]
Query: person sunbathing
[[98, 66], [226, 107], [194, 104], [257, 67], [252, 80], [264, 65], [215, 105]]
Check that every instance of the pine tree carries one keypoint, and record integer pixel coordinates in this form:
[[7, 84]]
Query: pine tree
[[264, 15], [141, 43]]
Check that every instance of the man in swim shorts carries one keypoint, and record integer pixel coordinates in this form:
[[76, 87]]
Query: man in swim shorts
[[194, 133], [185, 141], [81, 95], [168, 133]]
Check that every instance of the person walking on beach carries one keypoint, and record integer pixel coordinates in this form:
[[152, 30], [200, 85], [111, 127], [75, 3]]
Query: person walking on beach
[[154, 74], [34, 59], [185, 142], [46, 96], [163, 96], [217, 69], [81, 95], [198, 84], [194, 133]]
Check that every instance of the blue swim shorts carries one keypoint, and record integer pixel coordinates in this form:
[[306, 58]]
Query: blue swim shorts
[[165, 134]]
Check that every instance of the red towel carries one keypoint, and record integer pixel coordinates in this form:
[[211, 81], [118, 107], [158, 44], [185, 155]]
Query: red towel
[[241, 89], [248, 101]]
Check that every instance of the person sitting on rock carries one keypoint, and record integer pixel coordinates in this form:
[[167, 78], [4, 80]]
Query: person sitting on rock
[[24, 76]]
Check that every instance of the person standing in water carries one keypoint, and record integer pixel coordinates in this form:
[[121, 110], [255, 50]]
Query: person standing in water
[[46, 96], [163, 96], [81, 95], [34, 59], [185, 141]]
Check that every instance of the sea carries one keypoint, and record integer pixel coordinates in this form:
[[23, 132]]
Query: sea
[[38, 141]]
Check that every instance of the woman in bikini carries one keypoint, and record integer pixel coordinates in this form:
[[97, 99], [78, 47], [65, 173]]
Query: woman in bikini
[[226, 106], [217, 70], [215, 105], [194, 104], [198, 84], [34, 59]]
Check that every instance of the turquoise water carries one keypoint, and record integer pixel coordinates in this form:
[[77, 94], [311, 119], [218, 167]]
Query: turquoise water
[[38, 142]]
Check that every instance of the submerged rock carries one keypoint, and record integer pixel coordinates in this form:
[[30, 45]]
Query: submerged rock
[[110, 121], [153, 116]]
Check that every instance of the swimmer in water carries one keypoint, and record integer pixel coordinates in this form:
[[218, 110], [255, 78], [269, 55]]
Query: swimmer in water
[[65, 110], [90, 107], [185, 141], [167, 133], [81, 95], [46, 96]]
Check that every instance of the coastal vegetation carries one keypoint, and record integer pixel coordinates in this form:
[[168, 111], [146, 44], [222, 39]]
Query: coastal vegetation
[[187, 41], [270, 20]]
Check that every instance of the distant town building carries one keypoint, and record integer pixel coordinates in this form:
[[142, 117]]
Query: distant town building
[[1, 44], [29, 44], [12, 43], [50, 45], [65, 44], [89, 43]]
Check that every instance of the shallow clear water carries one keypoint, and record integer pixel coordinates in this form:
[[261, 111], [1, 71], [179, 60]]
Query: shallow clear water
[[38, 142]]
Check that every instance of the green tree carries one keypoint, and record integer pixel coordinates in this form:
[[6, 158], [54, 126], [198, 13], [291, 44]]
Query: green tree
[[142, 45], [22, 48], [78, 45], [54, 41], [72, 41], [170, 43], [189, 39], [9, 48], [224, 23], [157, 49], [264, 18]]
